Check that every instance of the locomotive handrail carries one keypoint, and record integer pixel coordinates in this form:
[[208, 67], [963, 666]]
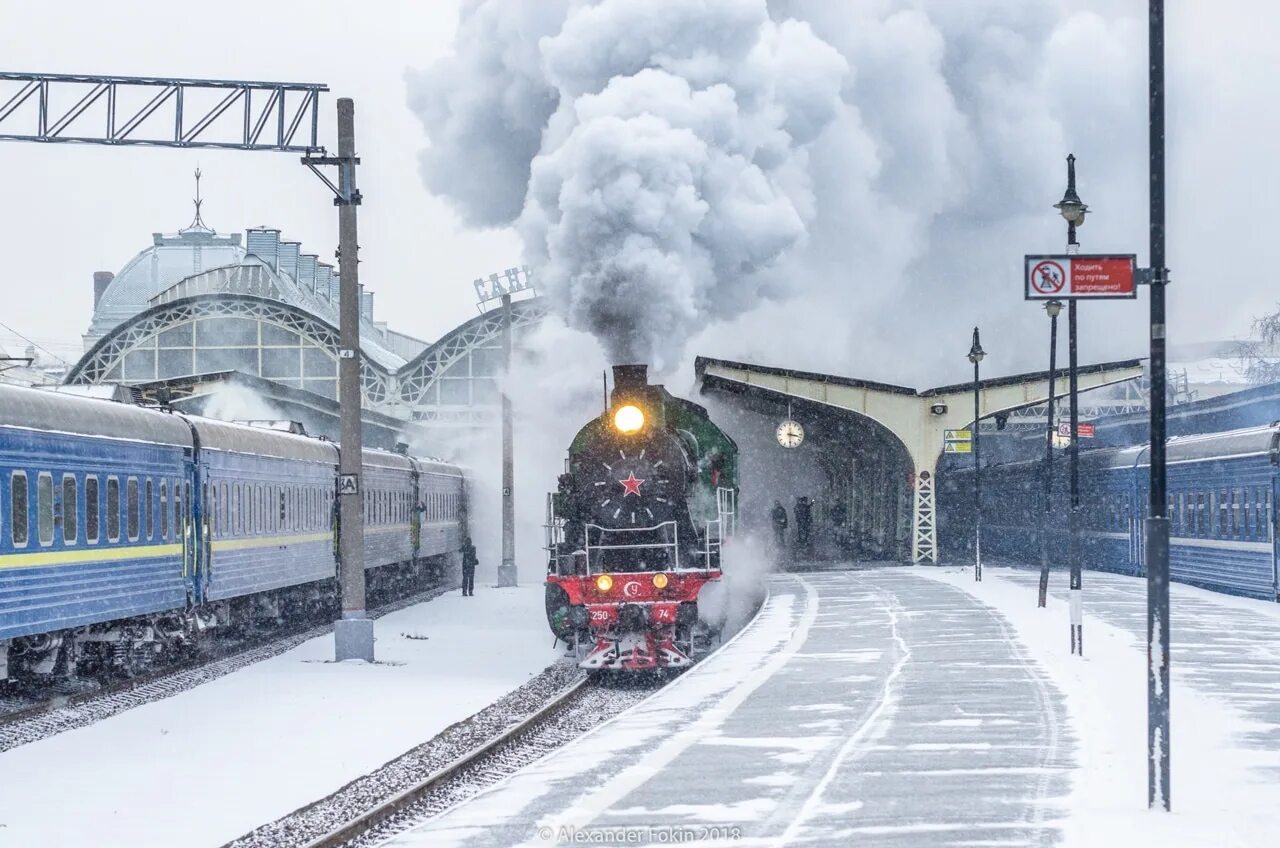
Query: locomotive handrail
[[674, 544]]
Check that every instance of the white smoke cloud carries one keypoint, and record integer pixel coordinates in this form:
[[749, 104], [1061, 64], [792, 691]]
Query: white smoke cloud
[[671, 177], [812, 183]]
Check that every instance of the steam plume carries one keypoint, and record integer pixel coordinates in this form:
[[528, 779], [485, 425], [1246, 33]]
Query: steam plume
[[670, 173], [800, 181]]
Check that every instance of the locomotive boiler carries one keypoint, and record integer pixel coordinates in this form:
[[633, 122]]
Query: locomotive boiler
[[636, 529]]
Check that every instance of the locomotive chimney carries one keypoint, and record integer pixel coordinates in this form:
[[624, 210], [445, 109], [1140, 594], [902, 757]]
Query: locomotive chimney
[[630, 379]]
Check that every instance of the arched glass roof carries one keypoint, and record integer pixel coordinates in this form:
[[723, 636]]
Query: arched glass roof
[[214, 332]]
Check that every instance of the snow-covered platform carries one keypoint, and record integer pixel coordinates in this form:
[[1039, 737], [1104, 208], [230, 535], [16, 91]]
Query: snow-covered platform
[[912, 706], [860, 708], [207, 765]]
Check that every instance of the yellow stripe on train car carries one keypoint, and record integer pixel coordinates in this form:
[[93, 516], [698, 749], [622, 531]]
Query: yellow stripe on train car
[[270, 541], [79, 556]]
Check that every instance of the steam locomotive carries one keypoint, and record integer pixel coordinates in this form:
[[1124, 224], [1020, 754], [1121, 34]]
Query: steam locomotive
[[636, 528]]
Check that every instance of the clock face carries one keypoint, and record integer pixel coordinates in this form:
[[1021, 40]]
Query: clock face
[[790, 434]]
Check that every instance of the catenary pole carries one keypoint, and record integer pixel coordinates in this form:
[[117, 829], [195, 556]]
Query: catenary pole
[[353, 633], [507, 570], [1157, 525]]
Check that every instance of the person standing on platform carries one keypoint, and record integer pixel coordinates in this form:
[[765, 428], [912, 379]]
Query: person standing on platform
[[804, 523], [779, 515], [469, 563]]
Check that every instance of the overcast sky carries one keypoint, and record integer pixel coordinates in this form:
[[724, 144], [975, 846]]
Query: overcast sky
[[74, 209], [71, 210]]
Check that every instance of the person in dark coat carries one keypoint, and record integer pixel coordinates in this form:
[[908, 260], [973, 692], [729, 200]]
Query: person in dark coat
[[469, 563], [779, 515], [804, 522]]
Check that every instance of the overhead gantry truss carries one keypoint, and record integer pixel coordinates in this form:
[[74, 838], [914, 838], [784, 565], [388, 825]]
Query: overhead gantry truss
[[110, 110]]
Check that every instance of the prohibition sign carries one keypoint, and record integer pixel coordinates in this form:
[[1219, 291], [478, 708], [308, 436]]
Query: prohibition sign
[[1047, 277]]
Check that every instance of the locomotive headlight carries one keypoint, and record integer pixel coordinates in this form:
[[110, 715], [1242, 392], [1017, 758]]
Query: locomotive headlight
[[660, 580], [628, 419], [604, 582]]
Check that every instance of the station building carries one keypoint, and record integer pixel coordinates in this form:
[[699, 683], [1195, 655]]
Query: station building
[[198, 312]]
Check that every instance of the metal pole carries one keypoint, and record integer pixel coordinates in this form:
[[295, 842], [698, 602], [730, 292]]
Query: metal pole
[[977, 470], [507, 571], [1076, 599], [1047, 515], [353, 633], [1157, 525]]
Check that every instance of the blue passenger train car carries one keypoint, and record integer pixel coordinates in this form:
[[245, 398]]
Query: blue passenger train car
[[1221, 489], [124, 530]]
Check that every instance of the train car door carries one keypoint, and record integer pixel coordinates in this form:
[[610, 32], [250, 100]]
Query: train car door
[[203, 517], [1138, 525], [1271, 528], [187, 533]]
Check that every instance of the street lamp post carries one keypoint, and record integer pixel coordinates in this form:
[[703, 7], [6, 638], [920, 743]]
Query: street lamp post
[[1073, 210], [975, 356], [1052, 308]]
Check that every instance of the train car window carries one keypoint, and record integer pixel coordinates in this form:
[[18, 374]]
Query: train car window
[[186, 500], [1222, 514], [91, 518], [44, 507], [1246, 507], [113, 509], [149, 528], [283, 512], [70, 509], [131, 508], [164, 510], [18, 505], [1235, 513]]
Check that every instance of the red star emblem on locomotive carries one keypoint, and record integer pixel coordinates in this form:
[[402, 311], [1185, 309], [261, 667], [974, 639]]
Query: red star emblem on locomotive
[[631, 485]]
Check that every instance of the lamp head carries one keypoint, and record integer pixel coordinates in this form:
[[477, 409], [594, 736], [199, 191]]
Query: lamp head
[[1053, 308], [976, 353], [1070, 206]]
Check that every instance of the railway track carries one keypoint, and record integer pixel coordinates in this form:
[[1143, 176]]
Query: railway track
[[68, 712], [566, 717], [555, 708]]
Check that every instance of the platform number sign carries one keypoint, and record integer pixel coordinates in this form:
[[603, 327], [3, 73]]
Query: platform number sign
[[348, 484]]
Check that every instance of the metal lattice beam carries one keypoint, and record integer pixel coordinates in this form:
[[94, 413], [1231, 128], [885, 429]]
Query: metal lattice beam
[[108, 354], [416, 377], [279, 116]]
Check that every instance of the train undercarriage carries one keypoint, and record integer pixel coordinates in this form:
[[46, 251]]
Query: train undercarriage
[[128, 647]]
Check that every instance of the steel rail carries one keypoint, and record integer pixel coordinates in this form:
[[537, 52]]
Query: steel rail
[[375, 816]]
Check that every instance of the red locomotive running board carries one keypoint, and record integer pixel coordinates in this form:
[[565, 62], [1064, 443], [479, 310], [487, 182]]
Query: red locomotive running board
[[1081, 277]]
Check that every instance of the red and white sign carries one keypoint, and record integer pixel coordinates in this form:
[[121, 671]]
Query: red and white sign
[[1084, 431], [1081, 277]]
